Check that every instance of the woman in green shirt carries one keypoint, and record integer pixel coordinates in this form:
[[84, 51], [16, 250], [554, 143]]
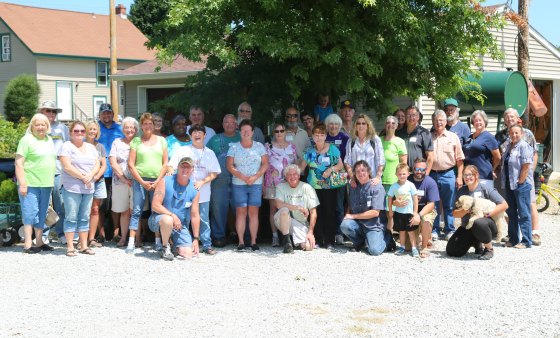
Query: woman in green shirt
[[147, 164], [35, 168]]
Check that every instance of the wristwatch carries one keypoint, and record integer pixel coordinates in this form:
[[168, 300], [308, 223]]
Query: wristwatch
[[198, 239]]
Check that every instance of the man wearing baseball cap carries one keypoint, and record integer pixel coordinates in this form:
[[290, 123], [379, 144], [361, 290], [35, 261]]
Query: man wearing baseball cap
[[451, 109], [59, 134], [109, 131], [347, 112], [174, 206]]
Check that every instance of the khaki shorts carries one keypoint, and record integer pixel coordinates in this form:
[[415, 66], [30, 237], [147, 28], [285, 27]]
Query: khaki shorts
[[430, 217], [121, 199], [297, 229]]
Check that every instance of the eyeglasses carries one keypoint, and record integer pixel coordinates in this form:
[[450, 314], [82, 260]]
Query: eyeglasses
[[361, 123], [279, 131], [420, 169], [467, 175], [291, 116], [244, 111], [79, 131]]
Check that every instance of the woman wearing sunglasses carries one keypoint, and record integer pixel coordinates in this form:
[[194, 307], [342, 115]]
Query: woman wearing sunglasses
[[80, 163], [281, 153]]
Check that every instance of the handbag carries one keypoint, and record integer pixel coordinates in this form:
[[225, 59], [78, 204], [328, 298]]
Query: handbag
[[338, 179], [52, 217]]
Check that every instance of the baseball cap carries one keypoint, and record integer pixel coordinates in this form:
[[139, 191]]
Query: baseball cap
[[346, 104], [450, 102], [105, 107], [188, 160], [49, 104]]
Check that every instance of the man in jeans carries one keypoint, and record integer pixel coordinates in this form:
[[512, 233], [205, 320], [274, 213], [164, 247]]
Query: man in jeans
[[59, 134], [175, 206]]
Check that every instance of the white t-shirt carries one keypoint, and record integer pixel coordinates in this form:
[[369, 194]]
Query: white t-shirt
[[207, 136], [205, 162]]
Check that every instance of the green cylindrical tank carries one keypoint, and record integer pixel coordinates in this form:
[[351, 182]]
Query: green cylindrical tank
[[503, 90]]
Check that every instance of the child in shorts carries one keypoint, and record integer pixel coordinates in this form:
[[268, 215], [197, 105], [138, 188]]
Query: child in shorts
[[404, 194]]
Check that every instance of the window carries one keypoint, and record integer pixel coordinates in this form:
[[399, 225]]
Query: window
[[6, 48], [102, 78], [121, 95]]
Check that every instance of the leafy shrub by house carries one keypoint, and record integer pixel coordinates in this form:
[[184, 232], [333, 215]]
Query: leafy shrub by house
[[21, 97]]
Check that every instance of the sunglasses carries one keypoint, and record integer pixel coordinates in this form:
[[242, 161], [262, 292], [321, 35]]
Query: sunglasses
[[50, 110], [420, 169], [279, 131], [79, 131], [291, 116]]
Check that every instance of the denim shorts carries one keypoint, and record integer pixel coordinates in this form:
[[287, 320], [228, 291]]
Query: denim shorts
[[181, 238], [247, 195], [100, 191], [34, 206]]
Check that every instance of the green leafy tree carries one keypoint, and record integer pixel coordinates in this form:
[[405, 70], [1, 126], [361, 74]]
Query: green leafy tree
[[148, 15], [275, 51], [10, 134], [21, 98]]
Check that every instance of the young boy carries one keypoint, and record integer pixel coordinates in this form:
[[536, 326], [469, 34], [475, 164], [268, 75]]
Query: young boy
[[403, 204], [323, 108]]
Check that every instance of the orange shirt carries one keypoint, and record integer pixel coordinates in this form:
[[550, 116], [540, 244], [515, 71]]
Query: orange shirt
[[447, 150]]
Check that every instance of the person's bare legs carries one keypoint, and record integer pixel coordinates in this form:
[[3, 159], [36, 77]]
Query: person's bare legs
[[94, 219], [124, 220], [28, 236], [402, 238], [116, 218], [412, 237], [253, 223], [240, 217], [426, 231], [272, 212], [83, 238]]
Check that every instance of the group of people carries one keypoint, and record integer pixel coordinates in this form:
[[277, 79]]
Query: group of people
[[335, 178]]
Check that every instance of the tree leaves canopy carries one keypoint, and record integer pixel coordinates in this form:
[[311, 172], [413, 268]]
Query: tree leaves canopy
[[278, 51]]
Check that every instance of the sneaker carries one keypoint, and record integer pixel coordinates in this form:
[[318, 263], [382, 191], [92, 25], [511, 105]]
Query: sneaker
[[435, 237], [275, 241], [415, 253], [166, 253], [32, 250], [449, 235], [536, 239], [241, 247], [339, 240], [254, 247], [400, 251], [288, 248], [129, 250], [479, 249], [210, 251], [158, 247], [486, 254]]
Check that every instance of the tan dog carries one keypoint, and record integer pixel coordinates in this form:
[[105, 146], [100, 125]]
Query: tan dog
[[478, 207]]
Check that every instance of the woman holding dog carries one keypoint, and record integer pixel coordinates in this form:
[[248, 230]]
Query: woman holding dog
[[517, 182], [484, 229]]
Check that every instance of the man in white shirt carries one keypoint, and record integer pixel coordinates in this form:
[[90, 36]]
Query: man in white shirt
[[196, 116], [294, 134], [206, 169]]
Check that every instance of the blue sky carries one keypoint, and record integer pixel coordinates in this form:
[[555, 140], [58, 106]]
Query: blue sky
[[543, 14]]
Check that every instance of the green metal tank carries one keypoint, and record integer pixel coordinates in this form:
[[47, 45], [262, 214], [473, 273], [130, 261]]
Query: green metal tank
[[503, 90]]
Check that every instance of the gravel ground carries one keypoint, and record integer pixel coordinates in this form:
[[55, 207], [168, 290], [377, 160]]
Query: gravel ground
[[322, 293]]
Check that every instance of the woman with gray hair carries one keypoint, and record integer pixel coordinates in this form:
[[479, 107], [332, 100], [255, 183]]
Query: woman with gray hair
[[340, 140], [35, 166], [481, 149], [122, 179]]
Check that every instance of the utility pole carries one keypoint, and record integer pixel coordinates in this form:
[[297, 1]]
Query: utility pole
[[113, 62], [523, 40]]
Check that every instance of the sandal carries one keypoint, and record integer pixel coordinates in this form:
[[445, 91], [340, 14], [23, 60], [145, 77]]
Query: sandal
[[87, 251], [93, 243], [424, 253], [71, 253]]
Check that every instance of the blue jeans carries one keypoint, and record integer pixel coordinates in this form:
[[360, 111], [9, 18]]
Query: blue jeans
[[139, 195], [376, 240], [446, 187], [58, 206], [205, 240], [78, 207], [519, 213], [341, 194], [34, 206], [220, 202]]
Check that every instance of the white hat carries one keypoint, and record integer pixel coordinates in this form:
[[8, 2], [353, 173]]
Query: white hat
[[49, 104]]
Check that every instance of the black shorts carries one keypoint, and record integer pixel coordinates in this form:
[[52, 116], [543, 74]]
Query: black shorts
[[401, 222]]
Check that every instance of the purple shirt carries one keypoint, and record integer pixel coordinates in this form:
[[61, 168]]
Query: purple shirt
[[339, 141], [83, 161]]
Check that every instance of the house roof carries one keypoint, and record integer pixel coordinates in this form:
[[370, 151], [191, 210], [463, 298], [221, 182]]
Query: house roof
[[68, 33], [179, 67]]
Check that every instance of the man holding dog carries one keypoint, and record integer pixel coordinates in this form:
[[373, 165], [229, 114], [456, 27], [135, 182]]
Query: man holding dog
[[448, 154]]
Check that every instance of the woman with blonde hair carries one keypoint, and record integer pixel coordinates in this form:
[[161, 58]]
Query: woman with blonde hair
[[35, 167], [92, 135]]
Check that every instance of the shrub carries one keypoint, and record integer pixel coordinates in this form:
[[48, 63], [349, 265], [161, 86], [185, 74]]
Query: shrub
[[10, 134], [8, 191], [21, 97]]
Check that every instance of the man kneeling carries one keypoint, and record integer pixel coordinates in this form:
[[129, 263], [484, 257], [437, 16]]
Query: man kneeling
[[174, 206], [361, 223], [296, 202]]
